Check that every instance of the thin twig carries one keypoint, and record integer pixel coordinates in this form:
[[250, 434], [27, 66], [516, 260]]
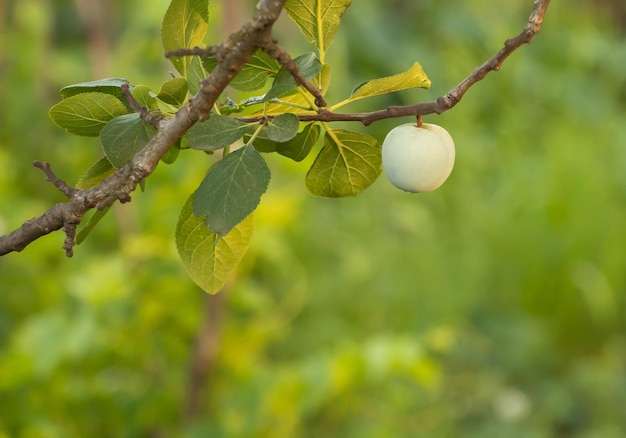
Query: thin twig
[[232, 56], [143, 112], [279, 54], [235, 53], [206, 52], [449, 100], [55, 180]]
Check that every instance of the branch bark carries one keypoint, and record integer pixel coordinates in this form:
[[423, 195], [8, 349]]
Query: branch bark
[[232, 56], [449, 100]]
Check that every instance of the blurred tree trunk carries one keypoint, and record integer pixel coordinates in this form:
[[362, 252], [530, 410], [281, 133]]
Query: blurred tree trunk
[[94, 16]]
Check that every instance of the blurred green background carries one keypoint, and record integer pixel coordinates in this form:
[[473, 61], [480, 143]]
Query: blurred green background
[[492, 307]]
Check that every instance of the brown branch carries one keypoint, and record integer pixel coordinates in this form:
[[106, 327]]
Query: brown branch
[[443, 103], [143, 112], [206, 52], [278, 53], [52, 178], [232, 56]]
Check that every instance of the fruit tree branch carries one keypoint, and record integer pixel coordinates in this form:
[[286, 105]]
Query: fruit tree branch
[[443, 103], [232, 55]]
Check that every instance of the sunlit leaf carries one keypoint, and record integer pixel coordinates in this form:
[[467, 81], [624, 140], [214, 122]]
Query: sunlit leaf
[[86, 113], [145, 97], [195, 74], [174, 91], [123, 137], [215, 133], [111, 86], [283, 127], [232, 189], [184, 26], [318, 20], [348, 163], [415, 77], [96, 173], [209, 259]]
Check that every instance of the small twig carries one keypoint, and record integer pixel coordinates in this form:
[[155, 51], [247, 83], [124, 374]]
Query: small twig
[[206, 52], [232, 56], [278, 53], [55, 180], [449, 100], [143, 112]]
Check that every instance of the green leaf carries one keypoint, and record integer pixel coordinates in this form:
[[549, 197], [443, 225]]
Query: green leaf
[[174, 92], [285, 103], [415, 77], [309, 65], [196, 73], [123, 137], [145, 97], [171, 155], [283, 127], [86, 113], [261, 143], [91, 224], [255, 73], [318, 20], [348, 163], [299, 147], [210, 260], [96, 173], [184, 26], [215, 133], [111, 86], [232, 189]]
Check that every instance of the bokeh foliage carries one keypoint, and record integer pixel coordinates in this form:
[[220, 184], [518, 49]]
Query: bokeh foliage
[[491, 307]]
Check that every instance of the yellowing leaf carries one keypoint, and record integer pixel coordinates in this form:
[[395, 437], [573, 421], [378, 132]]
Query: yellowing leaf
[[348, 163], [208, 259], [96, 173], [184, 26], [318, 20], [415, 77]]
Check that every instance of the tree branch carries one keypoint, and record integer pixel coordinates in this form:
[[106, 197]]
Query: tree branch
[[443, 103], [279, 54], [232, 56]]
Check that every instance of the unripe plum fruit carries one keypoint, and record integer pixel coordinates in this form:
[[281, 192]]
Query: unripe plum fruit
[[418, 159]]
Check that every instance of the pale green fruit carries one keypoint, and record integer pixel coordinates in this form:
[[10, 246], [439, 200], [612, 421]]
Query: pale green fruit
[[418, 159]]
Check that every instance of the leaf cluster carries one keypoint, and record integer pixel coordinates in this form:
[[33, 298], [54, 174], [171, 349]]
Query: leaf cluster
[[216, 222]]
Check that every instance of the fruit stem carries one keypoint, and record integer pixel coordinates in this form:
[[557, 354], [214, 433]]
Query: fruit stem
[[419, 121]]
